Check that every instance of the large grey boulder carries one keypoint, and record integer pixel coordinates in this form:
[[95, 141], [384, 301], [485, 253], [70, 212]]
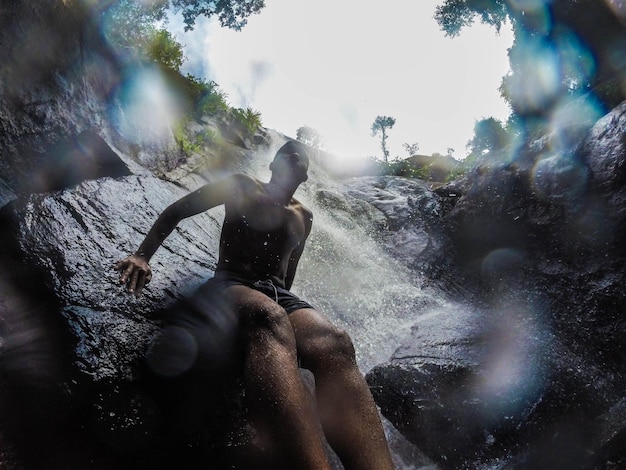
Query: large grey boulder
[[533, 375], [59, 250]]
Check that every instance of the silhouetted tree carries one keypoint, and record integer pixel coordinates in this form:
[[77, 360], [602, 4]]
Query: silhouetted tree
[[381, 124], [489, 136], [230, 13], [411, 149], [309, 136], [582, 38]]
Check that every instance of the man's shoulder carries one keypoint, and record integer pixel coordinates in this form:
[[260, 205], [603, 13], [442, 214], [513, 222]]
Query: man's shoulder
[[242, 178], [302, 208], [244, 182]]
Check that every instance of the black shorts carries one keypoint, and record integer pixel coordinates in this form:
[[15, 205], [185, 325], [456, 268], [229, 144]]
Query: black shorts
[[201, 332], [286, 299]]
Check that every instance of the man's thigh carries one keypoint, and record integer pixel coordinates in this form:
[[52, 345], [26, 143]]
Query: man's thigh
[[318, 340], [208, 331]]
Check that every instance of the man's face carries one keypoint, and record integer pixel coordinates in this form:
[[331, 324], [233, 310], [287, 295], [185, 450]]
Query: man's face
[[291, 162]]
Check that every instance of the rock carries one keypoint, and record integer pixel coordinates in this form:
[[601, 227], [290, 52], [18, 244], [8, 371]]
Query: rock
[[536, 366], [86, 156], [60, 249], [403, 214]]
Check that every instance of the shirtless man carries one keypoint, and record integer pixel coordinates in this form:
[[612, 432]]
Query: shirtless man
[[262, 239]]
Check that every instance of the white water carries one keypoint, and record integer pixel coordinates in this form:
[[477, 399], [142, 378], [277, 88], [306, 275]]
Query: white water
[[347, 275]]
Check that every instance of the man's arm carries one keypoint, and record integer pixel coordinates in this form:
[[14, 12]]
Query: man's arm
[[135, 270], [298, 250]]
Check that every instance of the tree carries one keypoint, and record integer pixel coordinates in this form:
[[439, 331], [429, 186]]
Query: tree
[[163, 48], [578, 39], [131, 23], [490, 136], [310, 136], [411, 149], [231, 13], [381, 124], [132, 16], [454, 15]]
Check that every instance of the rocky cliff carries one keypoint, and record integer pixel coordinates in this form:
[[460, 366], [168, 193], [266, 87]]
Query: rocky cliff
[[532, 374]]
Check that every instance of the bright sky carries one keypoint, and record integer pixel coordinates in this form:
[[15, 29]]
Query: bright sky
[[336, 65]]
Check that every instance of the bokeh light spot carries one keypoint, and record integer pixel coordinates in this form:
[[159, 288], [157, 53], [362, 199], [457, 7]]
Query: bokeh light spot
[[173, 353], [146, 109], [571, 119], [559, 178], [511, 372], [537, 80], [501, 261]]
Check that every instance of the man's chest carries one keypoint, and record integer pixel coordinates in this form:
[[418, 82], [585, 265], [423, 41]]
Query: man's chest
[[264, 216]]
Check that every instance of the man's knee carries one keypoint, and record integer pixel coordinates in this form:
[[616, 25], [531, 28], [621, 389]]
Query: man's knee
[[328, 349]]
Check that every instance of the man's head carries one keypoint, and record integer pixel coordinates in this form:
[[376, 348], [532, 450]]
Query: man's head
[[291, 160]]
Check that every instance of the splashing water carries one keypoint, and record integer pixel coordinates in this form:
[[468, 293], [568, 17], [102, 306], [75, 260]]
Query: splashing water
[[349, 277]]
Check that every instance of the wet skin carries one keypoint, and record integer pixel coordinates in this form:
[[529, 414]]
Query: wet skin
[[263, 236]]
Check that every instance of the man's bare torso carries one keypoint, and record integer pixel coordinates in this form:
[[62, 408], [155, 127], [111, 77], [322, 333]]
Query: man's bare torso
[[259, 235]]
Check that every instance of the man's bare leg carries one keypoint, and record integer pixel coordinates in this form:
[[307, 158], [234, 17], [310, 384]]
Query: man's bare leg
[[346, 406], [279, 403]]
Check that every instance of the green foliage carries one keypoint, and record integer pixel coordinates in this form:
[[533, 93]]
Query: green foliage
[[127, 19], [190, 143], [310, 136], [206, 96], [399, 167], [165, 50], [131, 23], [381, 124], [583, 35], [454, 15], [489, 136], [183, 139], [249, 118], [231, 13]]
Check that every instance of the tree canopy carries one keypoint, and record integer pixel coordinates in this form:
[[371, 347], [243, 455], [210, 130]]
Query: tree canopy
[[489, 136], [127, 14], [381, 124], [231, 13], [309, 136], [582, 40]]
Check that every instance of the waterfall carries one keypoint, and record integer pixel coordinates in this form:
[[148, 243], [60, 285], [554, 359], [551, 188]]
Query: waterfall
[[347, 274]]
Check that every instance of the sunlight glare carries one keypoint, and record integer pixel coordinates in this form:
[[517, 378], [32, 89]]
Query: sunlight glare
[[570, 120], [537, 81], [559, 177], [147, 110], [511, 372]]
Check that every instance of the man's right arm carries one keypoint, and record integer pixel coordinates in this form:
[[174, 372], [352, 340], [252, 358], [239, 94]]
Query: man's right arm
[[135, 270]]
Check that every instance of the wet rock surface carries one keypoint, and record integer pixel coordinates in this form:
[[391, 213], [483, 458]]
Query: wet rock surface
[[74, 341], [403, 215], [527, 376], [515, 358]]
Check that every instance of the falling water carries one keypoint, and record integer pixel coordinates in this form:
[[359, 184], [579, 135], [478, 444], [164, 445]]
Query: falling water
[[346, 274]]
